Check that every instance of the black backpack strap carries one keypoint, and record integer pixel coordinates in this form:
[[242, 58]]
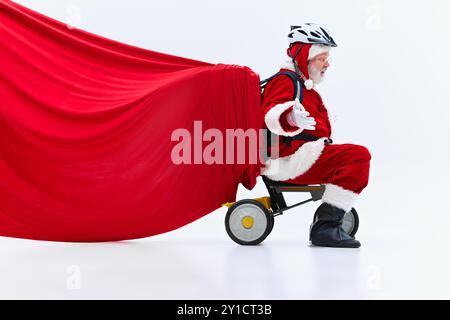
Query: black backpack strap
[[298, 88]]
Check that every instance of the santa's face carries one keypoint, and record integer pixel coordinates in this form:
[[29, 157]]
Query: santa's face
[[318, 66]]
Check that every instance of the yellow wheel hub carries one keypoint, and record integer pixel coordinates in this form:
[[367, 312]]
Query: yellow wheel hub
[[248, 222]]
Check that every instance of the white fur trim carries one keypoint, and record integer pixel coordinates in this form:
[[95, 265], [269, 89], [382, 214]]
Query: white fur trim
[[309, 84], [272, 119], [317, 49], [296, 164], [339, 197]]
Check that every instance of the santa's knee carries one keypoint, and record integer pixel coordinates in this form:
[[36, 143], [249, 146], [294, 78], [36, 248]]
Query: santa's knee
[[360, 153], [359, 167]]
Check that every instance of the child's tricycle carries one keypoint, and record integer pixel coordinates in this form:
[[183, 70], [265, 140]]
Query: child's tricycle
[[250, 221]]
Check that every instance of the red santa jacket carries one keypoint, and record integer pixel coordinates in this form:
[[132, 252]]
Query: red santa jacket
[[294, 160]]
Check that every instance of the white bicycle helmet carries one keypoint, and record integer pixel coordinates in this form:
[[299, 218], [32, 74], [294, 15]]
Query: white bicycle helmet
[[310, 33]]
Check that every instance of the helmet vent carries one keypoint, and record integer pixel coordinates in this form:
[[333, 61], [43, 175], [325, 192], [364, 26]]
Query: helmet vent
[[325, 33]]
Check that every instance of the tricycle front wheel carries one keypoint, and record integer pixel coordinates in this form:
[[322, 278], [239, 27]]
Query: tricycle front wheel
[[248, 222]]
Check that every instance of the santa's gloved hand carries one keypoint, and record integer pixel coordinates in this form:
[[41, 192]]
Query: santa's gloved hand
[[299, 117]]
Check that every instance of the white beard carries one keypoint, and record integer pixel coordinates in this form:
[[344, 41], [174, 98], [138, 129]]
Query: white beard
[[314, 74]]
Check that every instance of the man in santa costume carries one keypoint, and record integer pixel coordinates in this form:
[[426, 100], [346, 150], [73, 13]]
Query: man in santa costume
[[306, 154]]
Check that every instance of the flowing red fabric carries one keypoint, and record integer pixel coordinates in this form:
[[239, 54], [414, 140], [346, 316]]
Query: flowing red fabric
[[86, 129]]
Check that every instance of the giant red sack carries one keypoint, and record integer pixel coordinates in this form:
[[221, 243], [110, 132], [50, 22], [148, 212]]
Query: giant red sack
[[85, 133]]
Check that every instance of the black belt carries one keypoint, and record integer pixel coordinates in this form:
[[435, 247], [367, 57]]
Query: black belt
[[304, 137]]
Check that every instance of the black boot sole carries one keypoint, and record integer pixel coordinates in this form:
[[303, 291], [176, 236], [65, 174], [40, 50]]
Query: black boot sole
[[342, 244]]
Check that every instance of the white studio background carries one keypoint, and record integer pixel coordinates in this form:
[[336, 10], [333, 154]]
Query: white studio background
[[387, 88]]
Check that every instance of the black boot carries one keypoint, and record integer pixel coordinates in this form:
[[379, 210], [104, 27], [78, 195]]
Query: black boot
[[326, 231]]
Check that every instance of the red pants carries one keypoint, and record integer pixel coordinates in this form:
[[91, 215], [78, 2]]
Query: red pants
[[344, 169]]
